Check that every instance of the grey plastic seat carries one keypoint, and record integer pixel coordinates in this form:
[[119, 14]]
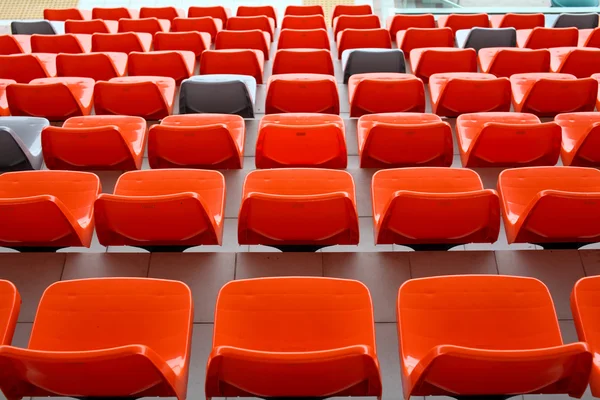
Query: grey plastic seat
[[21, 143], [480, 38], [32, 27], [219, 93], [361, 61], [579, 21]]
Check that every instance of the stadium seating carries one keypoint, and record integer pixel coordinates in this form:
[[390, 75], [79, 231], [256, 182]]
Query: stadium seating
[[301, 140], [303, 39], [292, 330], [211, 141], [32, 28], [554, 207], [149, 97], [302, 61], [168, 13], [259, 22], [69, 43], [64, 14], [393, 140], [178, 65], [4, 111], [148, 355], [56, 99], [463, 21], [361, 61], [144, 25], [23, 68], [380, 92], [517, 21], [255, 39], [579, 21], [209, 25], [342, 22], [15, 44], [196, 42], [10, 305], [543, 38], [253, 11], [20, 143], [378, 38], [347, 9], [163, 210], [303, 22], [589, 38], [302, 93], [506, 140], [318, 205], [580, 136], [581, 62], [91, 26], [113, 13], [121, 42], [414, 38], [218, 93], [481, 38], [304, 10], [546, 95], [407, 202], [47, 209], [504, 62], [400, 22], [454, 327], [101, 142], [597, 78], [456, 93], [427, 61], [219, 12], [237, 62]]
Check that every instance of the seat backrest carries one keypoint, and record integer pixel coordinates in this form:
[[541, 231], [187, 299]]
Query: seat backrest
[[579, 21], [110, 13], [10, 304], [89, 26], [13, 157], [372, 60], [30, 28], [62, 14], [228, 96], [28, 129], [480, 38]]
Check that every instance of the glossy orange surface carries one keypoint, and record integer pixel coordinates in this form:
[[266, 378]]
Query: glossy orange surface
[[363, 38], [74, 335], [113, 13], [98, 66], [301, 140], [316, 93], [401, 22], [195, 42], [485, 335], [507, 61], [234, 61], [317, 205], [597, 78], [24, 68], [144, 25], [255, 40], [68, 43], [168, 13], [579, 61], [303, 39], [91, 26], [64, 14], [342, 22], [252, 11], [209, 25], [550, 204], [506, 139], [589, 38], [219, 12], [259, 22], [103, 142], [517, 21], [4, 111], [10, 305], [293, 337], [211, 141], [15, 44], [303, 22], [121, 42], [47, 208], [415, 38], [303, 61], [170, 207], [403, 140], [425, 62], [347, 9], [463, 21], [543, 38], [457, 93], [304, 10], [580, 138], [178, 65], [379, 92]]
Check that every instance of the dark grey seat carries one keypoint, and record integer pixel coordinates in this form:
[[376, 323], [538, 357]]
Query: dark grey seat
[[480, 38], [219, 93], [32, 27], [362, 61], [21, 143], [579, 21]]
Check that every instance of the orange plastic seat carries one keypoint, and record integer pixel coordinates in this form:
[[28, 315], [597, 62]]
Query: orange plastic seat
[[121, 42], [91, 26], [144, 25], [219, 12], [456, 93], [347, 9], [518, 21], [182, 42], [463, 21], [292, 330], [401, 22], [211, 141], [237, 62], [507, 61], [459, 338], [543, 38], [548, 94], [304, 10], [63, 14], [255, 11], [15, 44], [4, 111], [303, 22], [102, 142], [579, 61], [177, 208], [433, 208], [506, 140], [589, 38], [355, 22], [393, 140], [303, 39], [113, 13], [178, 65], [415, 38], [303, 61], [363, 38], [259, 22], [580, 138], [98, 66], [23, 68], [379, 92], [551, 206], [149, 97], [168, 13], [209, 25], [597, 78], [10, 305], [427, 61], [55, 99], [317, 205], [68, 43], [253, 40], [301, 140], [316, 93], [50, 209], [148, 355]]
